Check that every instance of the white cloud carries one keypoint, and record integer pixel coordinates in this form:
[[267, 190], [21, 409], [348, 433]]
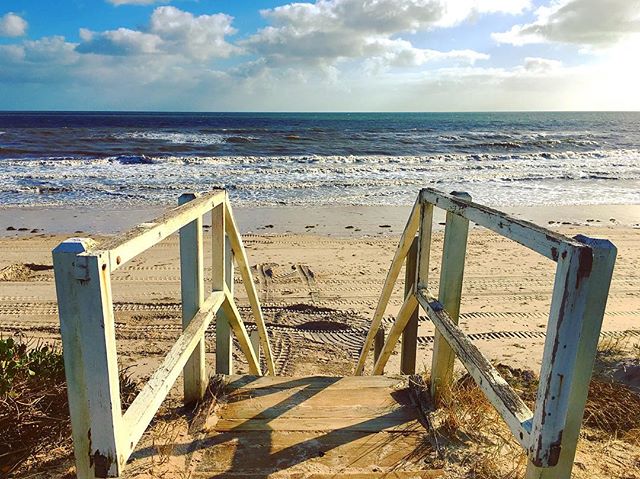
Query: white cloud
[[47, 60], [32, 70], [328, 55], [537, 64], [329, 31], [12, 25], [199, 36], [170, 32], [119, 42], [584, 22], [46, 50], [457, 11], [384, 52]]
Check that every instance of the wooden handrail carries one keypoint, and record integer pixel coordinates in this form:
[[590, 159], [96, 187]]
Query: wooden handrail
[[542, 240], [240, 331], [83, 284], [550, 432], [247, 280], [126, 246], [139, 414], [406, 311], [396, 265], [502, 396]]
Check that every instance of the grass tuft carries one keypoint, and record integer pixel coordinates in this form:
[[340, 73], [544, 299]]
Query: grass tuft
[[34, 414], [469, 431]]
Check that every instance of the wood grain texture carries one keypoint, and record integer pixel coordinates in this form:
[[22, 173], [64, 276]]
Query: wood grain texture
[[449, 294], [146, 404], [192, 295], [506, 401]]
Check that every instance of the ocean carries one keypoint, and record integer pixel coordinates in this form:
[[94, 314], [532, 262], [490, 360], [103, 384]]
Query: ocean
[[502, 159]]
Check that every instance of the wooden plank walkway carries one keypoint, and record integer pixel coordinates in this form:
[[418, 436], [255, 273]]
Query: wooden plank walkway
[[315, 427]]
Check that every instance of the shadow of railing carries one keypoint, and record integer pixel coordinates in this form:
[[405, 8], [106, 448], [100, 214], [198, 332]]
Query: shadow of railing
[[253, 449]]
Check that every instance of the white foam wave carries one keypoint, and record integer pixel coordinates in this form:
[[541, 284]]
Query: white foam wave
[[184, 138], [506, 179]]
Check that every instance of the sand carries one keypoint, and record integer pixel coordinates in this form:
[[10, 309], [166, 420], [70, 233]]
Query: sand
[[341, 221], [318, 291]]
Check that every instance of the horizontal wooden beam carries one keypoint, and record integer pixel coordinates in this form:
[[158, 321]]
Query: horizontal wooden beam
[[502, 396], [146, 404], [542, 240], [126, 246]]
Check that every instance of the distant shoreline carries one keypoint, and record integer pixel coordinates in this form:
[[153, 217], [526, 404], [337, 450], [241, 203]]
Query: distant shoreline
[[341, 221]]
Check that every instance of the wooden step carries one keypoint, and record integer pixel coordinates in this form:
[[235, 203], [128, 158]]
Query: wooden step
[[373, 424], [314, 382], [253, 409], [319, 427], [426, 474], [339, 451]]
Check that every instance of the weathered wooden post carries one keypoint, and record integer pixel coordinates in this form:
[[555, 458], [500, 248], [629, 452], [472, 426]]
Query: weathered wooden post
[[74, 368], [222, 273], [410, 333], [85, 306], [424, 245], [449, 294], [581, 289], [192, 292], [255, 343]]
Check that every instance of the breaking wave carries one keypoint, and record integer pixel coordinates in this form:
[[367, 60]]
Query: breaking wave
[[178, 138], [318, 159], [505, 179]]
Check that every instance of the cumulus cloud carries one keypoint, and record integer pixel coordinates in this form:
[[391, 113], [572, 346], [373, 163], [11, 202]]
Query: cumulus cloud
[[12, 25], [384, 52], [45, 50], [118, 42], [199, 36], [46, 60], [328, 31], [352, 54], [170, 32], [584, 22]]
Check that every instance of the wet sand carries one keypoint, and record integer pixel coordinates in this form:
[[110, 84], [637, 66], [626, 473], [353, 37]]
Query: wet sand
[[348, 222]]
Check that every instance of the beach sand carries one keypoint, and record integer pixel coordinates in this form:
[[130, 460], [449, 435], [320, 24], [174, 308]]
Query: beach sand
[[322, 288], [318, 286]]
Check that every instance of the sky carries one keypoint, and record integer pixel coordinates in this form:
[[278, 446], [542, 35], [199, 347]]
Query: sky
[[325, 55]]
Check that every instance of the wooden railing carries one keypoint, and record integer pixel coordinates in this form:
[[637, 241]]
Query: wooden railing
[[549, 434], [103, 436]]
